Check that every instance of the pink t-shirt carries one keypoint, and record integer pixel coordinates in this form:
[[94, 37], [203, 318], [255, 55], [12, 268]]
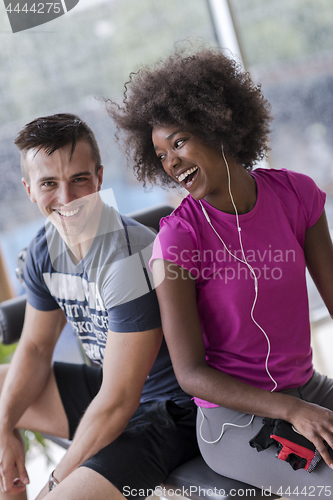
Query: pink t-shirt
[[273, 235]]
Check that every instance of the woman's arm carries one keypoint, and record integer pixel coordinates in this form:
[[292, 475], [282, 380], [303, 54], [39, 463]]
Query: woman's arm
[[180, 320], [318, 250]]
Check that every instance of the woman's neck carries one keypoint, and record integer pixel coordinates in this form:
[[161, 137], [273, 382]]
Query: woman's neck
[[243, 189]]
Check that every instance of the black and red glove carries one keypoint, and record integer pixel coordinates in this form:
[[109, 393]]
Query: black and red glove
[[293, 448]]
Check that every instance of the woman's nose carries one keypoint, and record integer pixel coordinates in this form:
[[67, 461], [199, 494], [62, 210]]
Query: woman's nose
[[173, 161]]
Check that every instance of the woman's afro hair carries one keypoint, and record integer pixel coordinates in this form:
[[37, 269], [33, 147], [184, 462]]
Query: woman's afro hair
[[206, 94]]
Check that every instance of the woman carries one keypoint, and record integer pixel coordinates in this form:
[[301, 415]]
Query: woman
[[230, 264]]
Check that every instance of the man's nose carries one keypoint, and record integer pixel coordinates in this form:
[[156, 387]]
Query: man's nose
[[66, 194]]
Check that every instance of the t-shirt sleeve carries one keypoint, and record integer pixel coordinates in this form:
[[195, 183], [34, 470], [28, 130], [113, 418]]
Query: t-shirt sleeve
[[38, 295], [177, 243], [311, 197], [128, 291], [137, 315]]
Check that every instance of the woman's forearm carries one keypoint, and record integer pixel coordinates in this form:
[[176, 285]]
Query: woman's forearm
[[216, 387]]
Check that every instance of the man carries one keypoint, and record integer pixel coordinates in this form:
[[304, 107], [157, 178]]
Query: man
[[86, 266]]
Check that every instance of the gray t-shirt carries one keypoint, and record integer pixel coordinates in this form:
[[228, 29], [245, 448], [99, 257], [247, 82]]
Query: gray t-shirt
[[110, 288]]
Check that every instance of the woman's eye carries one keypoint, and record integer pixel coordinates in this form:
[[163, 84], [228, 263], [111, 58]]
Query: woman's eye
[[179, 142], [161, 157]]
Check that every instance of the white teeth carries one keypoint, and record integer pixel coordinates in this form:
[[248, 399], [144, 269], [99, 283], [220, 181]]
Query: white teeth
[[68, 214], [185, 174]]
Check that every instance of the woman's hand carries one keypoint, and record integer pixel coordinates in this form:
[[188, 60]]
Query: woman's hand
[[316, 424]]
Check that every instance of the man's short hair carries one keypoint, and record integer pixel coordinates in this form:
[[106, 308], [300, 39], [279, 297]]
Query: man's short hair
[[53, 132]]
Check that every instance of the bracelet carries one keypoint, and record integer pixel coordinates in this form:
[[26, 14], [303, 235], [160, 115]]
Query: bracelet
[[53, 482]]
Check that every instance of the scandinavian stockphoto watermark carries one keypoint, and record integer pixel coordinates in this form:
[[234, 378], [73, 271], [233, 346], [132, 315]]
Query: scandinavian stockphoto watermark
[[267, 264], [24, 15]]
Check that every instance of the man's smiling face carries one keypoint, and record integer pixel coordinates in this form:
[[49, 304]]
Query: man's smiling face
[[65, 189]]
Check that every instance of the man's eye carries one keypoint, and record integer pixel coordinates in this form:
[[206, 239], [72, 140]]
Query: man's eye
[[48, 184], [80, 179]]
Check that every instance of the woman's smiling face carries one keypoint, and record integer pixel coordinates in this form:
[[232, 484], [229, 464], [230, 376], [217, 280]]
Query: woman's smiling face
[[197, 167]]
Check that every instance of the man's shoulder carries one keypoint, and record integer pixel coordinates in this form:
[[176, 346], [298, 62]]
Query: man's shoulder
[[141, 231], [125, 233], [38, 245], [40, 252]]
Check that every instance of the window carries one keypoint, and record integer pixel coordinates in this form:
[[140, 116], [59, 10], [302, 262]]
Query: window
[[62, 66]]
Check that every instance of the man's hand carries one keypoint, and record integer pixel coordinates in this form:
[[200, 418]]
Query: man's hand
[[13, 474]]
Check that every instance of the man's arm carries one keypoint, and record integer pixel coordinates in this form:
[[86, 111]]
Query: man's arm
[[26, 378], [128, 360]]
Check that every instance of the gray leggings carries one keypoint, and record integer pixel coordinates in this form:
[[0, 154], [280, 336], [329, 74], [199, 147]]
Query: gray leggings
[[232, 456]]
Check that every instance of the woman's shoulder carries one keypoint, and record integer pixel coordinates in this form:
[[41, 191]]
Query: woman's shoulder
[[294, 190], [283, 177], [183, 216], [178, 229]]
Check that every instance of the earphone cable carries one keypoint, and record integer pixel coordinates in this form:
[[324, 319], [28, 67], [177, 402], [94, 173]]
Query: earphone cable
[[223, 427], [243, 261]]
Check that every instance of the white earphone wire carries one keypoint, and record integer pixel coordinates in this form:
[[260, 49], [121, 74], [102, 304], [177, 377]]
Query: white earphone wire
[[244, 261], [223, 426]]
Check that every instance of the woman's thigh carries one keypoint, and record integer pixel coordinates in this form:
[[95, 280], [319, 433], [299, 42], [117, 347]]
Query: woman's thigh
[[232, 455]]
